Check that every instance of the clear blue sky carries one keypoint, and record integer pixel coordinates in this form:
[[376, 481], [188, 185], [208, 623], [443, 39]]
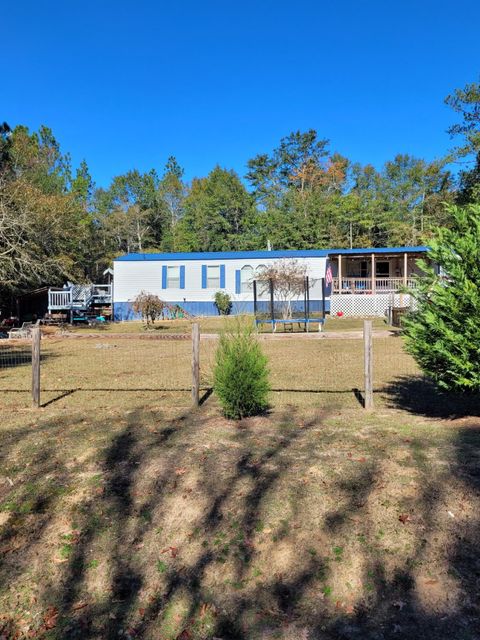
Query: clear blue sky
[[126, 84]]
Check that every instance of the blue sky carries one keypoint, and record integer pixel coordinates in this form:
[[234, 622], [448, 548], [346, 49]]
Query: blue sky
[[126, 84]]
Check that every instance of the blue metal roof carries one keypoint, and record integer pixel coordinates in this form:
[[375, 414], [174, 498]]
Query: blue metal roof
[[260, 255], [225, 255], [376, 250]]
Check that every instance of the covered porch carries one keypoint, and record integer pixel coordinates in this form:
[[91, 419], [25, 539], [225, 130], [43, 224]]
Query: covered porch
[[374, 271]]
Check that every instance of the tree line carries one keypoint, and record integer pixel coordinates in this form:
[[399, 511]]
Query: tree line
[[55, 224]]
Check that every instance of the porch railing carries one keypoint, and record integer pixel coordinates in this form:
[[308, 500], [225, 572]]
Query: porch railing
[[369, 285]]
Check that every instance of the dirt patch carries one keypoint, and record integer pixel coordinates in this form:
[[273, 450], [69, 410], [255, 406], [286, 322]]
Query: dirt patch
[[4, 517]]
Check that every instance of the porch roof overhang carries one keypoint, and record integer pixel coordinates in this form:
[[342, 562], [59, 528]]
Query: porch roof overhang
[[384, 251]]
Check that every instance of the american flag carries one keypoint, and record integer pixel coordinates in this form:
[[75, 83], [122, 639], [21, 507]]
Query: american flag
[[329, 275]]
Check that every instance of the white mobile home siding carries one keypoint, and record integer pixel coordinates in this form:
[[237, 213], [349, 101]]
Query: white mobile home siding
[[136, 275]]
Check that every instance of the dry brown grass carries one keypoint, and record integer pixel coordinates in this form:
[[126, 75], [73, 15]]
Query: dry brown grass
[[298, 366], [216, 325], [125, 514]]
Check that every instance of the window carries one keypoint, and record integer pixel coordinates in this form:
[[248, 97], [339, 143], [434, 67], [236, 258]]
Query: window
[[213, 277], [246, 279], [382, 269], [173, 277]]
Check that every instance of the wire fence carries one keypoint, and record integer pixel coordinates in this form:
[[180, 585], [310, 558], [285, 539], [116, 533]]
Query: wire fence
[[304, 370], [15, 365]]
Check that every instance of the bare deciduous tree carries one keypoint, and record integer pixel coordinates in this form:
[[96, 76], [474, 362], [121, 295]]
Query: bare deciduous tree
[[288, 279], [149, 306], [31, 232]]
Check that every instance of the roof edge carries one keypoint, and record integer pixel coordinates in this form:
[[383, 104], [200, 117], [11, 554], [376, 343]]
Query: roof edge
[[287, 253]]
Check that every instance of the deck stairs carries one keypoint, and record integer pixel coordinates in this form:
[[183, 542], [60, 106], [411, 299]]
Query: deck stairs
[[79, 297]]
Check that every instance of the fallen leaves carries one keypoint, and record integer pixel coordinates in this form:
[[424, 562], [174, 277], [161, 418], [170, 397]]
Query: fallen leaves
[[361, 459], [404, 518], [173, 551], [50, 618], [346, 607]]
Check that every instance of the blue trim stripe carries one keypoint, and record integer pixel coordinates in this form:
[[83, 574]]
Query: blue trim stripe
[[164, 276], [222, 276], [204, 276], [182, 276], [246, 255], [238, 281], [124, 311]]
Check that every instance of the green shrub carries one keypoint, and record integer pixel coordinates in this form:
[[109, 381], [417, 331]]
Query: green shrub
[[443, 334], [223, 302], [241, 373]]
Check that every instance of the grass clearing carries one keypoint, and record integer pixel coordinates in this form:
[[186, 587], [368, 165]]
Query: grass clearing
[[125, 514], [298, 366], [217, 325]]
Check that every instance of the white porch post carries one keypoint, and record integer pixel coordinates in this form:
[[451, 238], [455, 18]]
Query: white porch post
[[405, 268], [339, 274], [373, 274]]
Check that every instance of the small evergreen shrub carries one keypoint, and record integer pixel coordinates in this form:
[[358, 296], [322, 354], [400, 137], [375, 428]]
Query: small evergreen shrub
[[223, 302], [241, 374]]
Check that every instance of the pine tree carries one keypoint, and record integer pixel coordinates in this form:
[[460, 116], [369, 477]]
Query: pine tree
[[443, 335]]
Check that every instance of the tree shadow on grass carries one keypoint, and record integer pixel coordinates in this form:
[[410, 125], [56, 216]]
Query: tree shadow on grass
[[398, 606], [421, 396], [128, 522], [142, 472], [12, 356]]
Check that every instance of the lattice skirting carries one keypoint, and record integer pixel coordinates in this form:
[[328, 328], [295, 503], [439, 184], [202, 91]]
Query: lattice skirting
[[353, 304]]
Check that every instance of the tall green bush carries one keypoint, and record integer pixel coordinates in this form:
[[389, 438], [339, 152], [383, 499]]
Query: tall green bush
[[443, 334], [223, 302], [241, 373]]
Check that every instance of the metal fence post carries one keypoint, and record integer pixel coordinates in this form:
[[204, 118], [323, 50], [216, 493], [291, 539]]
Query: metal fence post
[[368, 363], [195, 364], [36, 335]]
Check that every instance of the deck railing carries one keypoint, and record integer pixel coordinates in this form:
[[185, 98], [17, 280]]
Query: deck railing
[[102, 292], [79, 296], [369, 285], [59, 298]]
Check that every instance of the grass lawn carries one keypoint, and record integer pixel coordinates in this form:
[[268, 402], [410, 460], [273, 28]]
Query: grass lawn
[[110, 361], [124, 514], [218, 324]]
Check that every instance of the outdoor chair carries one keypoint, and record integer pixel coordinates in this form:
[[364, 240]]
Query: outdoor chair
[[20, 332], [24, 331]]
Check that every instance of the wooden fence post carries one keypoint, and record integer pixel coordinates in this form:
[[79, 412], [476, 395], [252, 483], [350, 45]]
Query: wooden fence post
[[36, 335], [368, 363], [195, 364]]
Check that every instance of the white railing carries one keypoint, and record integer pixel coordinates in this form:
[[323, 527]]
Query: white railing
[[59, 299], [79, 296], [370, 285], [102, 292]]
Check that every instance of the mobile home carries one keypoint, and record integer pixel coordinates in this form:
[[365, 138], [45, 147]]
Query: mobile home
[[362, 283]]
